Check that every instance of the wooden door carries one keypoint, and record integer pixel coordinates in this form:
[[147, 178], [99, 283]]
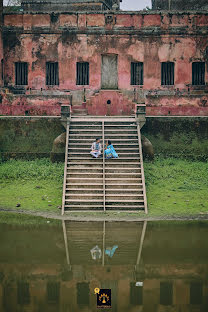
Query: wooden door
[[109, 72]]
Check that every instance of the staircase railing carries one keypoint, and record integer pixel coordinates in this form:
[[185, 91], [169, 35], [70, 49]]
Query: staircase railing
[[142, 168], [103, 135], [66, 163]]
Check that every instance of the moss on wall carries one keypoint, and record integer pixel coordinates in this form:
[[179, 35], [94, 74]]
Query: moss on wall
[[185, 137], [28, 137]]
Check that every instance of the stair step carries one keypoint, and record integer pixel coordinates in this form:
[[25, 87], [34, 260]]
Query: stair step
[[115, 136], [87, 180], [72, 149], [81, 190], [121, 153], [85, 170], [126, 196], [99, 160], [84, 186], [126, 208], [107, 132], [123, 202], [122, 175], [83, 208], [88, 196], [123, 191], [120, 140], [123, 170], [80, 201], [123, 187], [83, 174], [110, 181]]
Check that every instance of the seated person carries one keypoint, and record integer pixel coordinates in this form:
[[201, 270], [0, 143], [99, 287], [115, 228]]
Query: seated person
[[110, 151], [96, 148]]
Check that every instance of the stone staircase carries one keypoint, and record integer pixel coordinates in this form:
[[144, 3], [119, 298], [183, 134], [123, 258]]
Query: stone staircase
[[104, 184]]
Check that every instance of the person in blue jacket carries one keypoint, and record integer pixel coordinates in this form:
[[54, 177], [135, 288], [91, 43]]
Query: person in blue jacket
[[110, 151]]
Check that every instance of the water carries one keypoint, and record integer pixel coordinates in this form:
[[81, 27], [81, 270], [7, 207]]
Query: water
[[148, 266]]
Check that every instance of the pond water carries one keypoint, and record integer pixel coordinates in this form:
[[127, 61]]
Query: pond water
[[138, 266]]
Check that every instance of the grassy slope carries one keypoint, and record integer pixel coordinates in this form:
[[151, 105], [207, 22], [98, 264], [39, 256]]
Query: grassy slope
[[177, 186], [36, 185], [174, 186]]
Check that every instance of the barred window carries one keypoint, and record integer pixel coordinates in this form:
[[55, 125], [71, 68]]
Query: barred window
[[52, 74], [198, 73], [83, 293], [136, 294], [23, 293], [136, 73], [21, 73], [196, 293], [53, 292], [166, 293], [167, 73], [82, 73]]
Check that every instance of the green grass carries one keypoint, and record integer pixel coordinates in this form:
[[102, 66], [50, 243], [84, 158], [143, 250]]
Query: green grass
[[174, 187], [35, 185], [177, 187]]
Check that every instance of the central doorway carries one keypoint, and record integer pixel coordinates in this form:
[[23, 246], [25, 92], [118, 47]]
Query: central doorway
[[109, 72]]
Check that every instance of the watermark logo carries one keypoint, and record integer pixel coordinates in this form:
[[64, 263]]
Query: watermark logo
[[103, 298]]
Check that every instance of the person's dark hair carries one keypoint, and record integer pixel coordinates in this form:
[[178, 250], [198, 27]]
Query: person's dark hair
[[97, 139], [109, 142]]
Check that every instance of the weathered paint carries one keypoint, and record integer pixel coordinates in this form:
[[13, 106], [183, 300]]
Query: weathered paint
[[73, 37]]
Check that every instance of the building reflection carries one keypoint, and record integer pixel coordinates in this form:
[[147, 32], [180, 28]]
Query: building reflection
[[148, 266]]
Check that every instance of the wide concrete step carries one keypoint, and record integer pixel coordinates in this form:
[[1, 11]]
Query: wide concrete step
[[86, 158], [128, 202], [110, 180], [87, 165], [116, 146], [124, 197], [114, 141], [122, 154], [125, 165], [123, 170], [80, 185], [108, 119], [81, 201], [74, 190], [84, 175], [99, 130], [85, 170], [85, 180], [111, 137], [123, 175], [125, 208], [86, 196], [82, 149], [123, 186], [83, 208], [123, 191]]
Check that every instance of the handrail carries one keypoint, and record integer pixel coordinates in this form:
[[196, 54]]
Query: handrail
[[142, 168], [65, 166], [103, 131]]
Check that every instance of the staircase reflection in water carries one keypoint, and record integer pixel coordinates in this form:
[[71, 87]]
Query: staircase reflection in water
[[154, 266]]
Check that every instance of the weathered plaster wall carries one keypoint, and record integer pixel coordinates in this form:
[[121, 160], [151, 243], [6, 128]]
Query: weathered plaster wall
[[179, 4], [149, 38]]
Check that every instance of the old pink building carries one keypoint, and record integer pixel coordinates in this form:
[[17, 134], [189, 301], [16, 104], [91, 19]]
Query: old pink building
[[104, 62]]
